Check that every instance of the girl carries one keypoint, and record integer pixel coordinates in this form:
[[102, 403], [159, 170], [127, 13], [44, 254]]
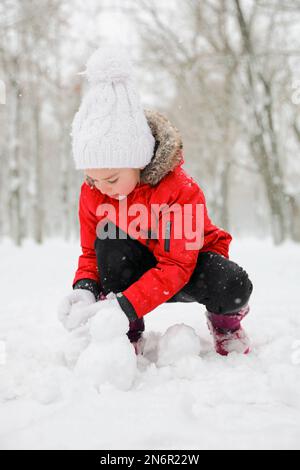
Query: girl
[[133, 158]]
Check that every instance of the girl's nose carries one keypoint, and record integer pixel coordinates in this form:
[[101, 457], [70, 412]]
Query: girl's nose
[[109, 192], [105, 189]]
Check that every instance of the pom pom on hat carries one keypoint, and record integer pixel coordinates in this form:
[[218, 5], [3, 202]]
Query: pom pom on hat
[[109, 64]]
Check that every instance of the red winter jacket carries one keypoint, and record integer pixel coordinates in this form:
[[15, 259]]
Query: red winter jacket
[[164, 181]]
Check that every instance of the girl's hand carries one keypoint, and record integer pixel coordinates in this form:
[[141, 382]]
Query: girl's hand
[[77, 308], [70, 307]]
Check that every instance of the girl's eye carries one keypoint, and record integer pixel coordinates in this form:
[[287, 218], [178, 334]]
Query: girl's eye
[[112, 182]]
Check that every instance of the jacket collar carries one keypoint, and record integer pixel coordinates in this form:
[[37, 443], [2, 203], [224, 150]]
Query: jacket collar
[[167, 151]]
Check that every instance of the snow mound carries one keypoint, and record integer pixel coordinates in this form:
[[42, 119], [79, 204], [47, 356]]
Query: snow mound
[[46, 387], [75, 343], [109, 358], [198, 402], [110, 323], [179, 341]]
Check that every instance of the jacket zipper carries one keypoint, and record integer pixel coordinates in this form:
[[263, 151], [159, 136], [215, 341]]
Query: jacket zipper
[[168, 235]]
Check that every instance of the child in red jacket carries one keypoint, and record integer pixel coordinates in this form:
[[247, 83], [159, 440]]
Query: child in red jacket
[[146, 236]]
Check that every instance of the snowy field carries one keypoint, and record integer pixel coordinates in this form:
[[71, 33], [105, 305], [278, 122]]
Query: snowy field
[[53, 393]]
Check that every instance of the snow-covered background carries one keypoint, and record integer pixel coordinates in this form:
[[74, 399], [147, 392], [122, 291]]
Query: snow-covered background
[[173, 397]]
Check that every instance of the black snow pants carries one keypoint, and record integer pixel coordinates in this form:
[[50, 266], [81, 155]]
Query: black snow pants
[[217, 282]]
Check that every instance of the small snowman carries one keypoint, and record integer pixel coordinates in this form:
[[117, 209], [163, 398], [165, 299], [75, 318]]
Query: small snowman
[[110, 357]]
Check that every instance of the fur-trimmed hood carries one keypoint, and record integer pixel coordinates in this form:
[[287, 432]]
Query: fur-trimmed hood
[[168, 148]]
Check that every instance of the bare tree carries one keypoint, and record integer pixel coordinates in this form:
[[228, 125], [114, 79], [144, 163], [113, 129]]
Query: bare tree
[[220, 69], [258, 91]]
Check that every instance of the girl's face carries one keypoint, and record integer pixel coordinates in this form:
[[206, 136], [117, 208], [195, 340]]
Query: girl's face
[[114, 182]]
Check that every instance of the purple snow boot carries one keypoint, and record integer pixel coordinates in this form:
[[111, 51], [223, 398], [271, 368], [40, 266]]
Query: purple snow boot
[[228, 335]]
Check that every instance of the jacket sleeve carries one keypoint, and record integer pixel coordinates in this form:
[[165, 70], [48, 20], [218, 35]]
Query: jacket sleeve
[[175, 263], [87, 263]]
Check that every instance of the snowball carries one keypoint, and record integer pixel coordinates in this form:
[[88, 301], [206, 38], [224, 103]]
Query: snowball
[[109, 64], [109, 362], [109, 323], [179, 341]]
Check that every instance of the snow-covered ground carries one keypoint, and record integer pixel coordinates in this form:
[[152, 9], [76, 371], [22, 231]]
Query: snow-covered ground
[[175, 400]]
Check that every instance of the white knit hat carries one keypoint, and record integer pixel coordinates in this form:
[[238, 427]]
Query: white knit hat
[[110, 129]]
